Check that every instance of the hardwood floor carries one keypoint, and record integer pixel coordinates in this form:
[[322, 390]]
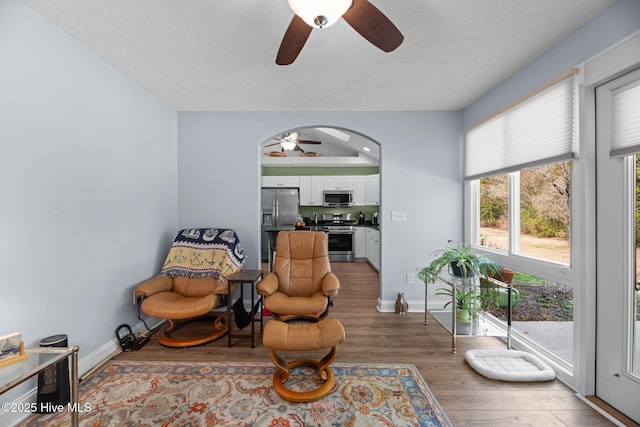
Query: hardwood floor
[[467, 397]]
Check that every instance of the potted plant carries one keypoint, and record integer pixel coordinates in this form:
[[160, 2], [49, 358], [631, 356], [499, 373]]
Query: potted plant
[[466, 302], [504, 275], [460, 261]]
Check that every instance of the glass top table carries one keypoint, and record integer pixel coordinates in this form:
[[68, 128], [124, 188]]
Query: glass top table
[[37, 360]]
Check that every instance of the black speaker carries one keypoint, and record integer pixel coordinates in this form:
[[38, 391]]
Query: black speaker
[[53, 382]]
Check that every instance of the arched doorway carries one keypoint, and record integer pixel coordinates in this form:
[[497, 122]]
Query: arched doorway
[[305, 163]]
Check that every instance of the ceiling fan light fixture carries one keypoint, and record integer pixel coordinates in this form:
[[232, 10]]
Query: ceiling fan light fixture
[[293, 136], [320, 13], [288, 145]]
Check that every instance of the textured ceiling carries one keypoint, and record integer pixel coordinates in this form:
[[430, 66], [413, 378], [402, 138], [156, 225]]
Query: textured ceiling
[[216, 55]]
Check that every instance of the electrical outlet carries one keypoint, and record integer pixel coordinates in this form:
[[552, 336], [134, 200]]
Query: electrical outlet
[[410, 278]]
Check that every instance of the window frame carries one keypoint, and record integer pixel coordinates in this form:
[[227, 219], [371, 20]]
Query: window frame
[[511, 258], [567, 274]]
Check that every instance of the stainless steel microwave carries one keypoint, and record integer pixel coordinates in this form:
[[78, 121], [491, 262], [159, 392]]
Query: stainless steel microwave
[[337, 198]]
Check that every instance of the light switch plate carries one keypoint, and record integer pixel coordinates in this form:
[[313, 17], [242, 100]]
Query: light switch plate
[[398, 215]]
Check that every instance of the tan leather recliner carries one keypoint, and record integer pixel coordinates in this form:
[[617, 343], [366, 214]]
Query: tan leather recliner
[[298, 295], [301, 284], [179, 299], [192, 283]]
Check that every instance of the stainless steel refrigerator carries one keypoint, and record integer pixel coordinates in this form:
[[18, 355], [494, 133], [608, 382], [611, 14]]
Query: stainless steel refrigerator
[[280, 207]]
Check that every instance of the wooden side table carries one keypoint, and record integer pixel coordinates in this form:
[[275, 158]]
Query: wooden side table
[[242, 277]]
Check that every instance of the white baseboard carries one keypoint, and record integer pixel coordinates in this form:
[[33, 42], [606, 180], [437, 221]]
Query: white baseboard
[[415, 306], [85, 364]]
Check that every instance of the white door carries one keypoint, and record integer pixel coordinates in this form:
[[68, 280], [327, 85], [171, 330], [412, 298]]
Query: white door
[[618, 181]]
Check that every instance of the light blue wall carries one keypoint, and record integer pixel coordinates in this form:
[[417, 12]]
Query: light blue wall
[[612, 25], [421, 170], [93, 184], [88, 185]]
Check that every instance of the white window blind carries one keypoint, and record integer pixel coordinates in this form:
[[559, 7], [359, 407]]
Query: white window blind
[[538, 130], [625, 120]]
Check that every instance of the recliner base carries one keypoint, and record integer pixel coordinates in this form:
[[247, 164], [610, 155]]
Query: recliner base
[[325, 373], [220, 329]]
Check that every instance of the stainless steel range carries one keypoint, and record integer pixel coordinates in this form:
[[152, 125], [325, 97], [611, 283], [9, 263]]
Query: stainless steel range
[[341, 236]]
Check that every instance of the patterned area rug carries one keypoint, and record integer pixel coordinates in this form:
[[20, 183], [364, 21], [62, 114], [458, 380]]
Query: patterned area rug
[[241, 394]]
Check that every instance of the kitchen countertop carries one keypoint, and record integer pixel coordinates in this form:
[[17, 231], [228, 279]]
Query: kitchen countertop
[[319, 227]]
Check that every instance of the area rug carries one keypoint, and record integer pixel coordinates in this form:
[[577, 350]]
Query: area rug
[[125, 393]]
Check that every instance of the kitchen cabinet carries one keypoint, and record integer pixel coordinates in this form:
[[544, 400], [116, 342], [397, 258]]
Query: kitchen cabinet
[[360, 242], [338, 182], [311, 188], [373, 247], [281, 181], [372, 189], [358, 191]]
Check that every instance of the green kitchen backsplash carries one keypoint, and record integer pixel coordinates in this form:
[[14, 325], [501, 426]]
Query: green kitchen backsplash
[[307, 211]]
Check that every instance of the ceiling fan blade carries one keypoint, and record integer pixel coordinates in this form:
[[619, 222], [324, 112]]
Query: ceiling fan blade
[[274, 154], [373, 25], [298, 149], [271, 145], [302, 141], [293, 41]]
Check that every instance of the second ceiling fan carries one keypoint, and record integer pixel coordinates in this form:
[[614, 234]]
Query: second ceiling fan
[[289, 142], [364, 17]]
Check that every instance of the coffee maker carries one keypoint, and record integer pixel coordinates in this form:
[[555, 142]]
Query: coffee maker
[[374, 218]]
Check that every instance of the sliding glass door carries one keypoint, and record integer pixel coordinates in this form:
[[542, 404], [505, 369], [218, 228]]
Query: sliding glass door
[[618, 232]]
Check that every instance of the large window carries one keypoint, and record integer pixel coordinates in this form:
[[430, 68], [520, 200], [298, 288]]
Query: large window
[[494, 212], [543, 216], [635, 346], [545, 212], [518, 169]]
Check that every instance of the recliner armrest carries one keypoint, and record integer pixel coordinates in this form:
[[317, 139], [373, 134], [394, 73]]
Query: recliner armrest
[[268, 285], [153, 286], [330, 285]]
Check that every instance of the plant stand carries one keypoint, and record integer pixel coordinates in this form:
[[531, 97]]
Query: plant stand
[[480, 324]]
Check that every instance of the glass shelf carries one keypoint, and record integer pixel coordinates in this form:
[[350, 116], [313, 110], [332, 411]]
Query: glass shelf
[[37, 361], [480, 326]]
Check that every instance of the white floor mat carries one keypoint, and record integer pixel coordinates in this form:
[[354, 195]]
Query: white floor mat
[[509, 365]]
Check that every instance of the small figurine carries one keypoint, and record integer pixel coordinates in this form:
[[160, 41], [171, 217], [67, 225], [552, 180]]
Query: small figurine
[[402, 307]]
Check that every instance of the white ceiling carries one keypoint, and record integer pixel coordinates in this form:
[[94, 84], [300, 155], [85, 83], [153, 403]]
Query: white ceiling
[[219, 55]]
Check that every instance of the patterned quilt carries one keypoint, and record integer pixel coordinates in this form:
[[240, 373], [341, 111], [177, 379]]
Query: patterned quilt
[[204, 252]]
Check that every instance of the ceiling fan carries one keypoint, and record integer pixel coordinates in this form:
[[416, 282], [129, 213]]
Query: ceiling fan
[[289, 142], [364, 17]]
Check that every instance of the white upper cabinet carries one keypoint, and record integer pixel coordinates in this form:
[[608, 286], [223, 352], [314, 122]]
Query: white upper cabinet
[[338, 182], [365, 188], [281, 181], [372, 189], [359, 197], [311, 188]]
